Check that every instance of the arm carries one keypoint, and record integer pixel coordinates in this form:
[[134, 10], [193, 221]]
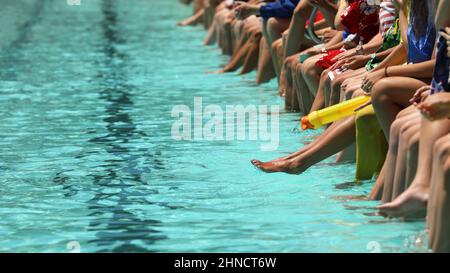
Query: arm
[[373, 45], [327, 8], [397, 57], [382, 55], [335, 43], [337, 21], [422, 70], [443, 14], [403, 16]]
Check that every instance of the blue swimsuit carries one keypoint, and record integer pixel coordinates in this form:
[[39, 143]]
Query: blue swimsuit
[[278, 9], [441, 79], [421, 50]]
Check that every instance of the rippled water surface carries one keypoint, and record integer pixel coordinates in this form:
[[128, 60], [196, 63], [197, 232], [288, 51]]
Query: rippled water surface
[[86, 94]]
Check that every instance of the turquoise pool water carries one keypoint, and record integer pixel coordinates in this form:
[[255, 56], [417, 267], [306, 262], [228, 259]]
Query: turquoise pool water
[[87, 158]]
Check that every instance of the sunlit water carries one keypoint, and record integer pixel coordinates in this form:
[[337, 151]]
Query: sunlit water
[[87, 156]]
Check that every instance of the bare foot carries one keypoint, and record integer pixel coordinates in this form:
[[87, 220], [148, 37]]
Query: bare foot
[[182, 24], [285, 166], [209, 40], [283, 158], [410, 203], [221, 71]]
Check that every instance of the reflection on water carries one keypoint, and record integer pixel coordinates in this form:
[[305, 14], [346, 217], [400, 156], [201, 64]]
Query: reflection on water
[[114, 225]]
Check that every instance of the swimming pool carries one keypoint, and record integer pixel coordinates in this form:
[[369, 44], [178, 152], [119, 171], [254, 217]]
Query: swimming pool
[[88, 163]]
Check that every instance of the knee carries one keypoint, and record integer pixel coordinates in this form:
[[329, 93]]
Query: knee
[[298, 69], [291, 61], [302, 10], [413, 143], [326, 80], [309, 69], [407, 130], [380, 90], [207, 4], [406, 112], [272, 24], [247, 28], [395, 132], [324, 77], [285, 35], [357, 93], [441, 149], [227, 22]]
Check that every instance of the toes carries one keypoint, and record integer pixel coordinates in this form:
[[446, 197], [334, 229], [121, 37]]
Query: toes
[[386, 206], [382, 213], [388, 210], [256, 162]]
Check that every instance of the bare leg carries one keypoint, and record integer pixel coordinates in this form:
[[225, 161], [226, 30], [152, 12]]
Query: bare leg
[[277, 47], [272, 31], [317, 142], [227, 48], [388, 171], [243, 31], [251, 59], [220, 21], [377, 190], [193, 20], [412, 159], [390, 95], [311, 73], [406, 139], [246, 47], [324, 148], [290, 101], [380, 190], [210, 9], [296, 34], [301, 88], [238, 59], [413, 201], [265, 69], [438, 210], [289, 66], [211, 36], [391, 163], [319, 101]]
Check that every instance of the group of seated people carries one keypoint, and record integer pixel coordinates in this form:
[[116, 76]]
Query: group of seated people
[[323, 52]]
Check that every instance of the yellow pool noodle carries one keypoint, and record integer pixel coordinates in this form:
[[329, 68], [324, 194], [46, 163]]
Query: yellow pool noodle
[[333, 113]]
